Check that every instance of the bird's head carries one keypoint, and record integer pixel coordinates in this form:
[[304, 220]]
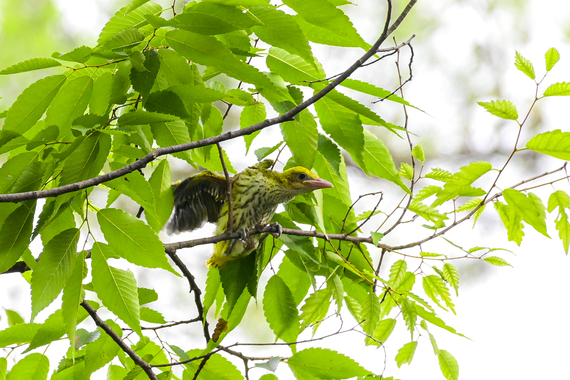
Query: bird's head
[[301, 180]]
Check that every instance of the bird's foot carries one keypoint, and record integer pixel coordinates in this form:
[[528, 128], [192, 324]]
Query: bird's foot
[[242, 234], [278, 228]]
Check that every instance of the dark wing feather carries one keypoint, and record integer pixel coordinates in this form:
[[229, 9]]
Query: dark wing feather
[[197, 200]]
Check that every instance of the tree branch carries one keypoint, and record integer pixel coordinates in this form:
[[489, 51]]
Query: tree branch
[[133, 355]]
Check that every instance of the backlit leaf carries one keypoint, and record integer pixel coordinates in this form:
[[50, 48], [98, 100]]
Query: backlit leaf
[[280, 310], [54, 269], [30, 65], [524, 65], [323, 363], [504, 109], [116, 288], [551, 57], [132, 239]]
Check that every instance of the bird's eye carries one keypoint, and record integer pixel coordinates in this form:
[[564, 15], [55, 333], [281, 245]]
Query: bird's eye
[[303, 176]]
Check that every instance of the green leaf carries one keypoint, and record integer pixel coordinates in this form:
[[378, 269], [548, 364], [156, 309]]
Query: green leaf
[[297, 280], [172, 133], [280, 30], [87, 159], [196, 94], [235, 277], [551, 57], [504, 109], [138, 189], [166, 102], [217, 367], [161, 185], [558, 89], [116, 288], [14, 169], [250, 115], [15, 234], [433, 319], [448, 364], [524, 65], [406, 353], [459, 183], [34, 366], [139, 117], [558, 199], [80, 54], [211, 18], [397, 273], [497, 261], [428, 213], [18, 334], [376, 237], [132, 239], [301, 137], [73, 293], [451, 275], [125, 19], [436, 289], [406, 171], [370, 315], [512, 221], [409, 315], [383, 329], [293, 68], [152, 316], [54, 269], [124, 40], [69, 104], [439, 175], [103, 350], [143, 80], [370, 89], [553, 143], [30, 65], [13, 317], [30, 106], [418, 153], [379, 161], [323, 363], [316, 307], [208, 51], [357, 107], [563, 228], [280, 310], [529, 207], [101, 94], [345, 128], [324, 15], [174, 69]]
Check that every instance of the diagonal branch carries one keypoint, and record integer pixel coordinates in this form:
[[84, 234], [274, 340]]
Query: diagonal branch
[[288, 116], [133, 355]]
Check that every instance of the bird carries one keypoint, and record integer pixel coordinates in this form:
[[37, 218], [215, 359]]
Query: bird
[[256, 193]]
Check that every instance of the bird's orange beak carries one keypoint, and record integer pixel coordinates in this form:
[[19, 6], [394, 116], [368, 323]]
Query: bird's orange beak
[[318, 183]]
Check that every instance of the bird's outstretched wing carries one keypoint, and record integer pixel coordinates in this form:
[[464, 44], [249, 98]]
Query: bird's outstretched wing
[[197, 200]]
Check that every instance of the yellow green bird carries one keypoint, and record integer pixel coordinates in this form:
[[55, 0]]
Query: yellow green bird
[[256, 193]]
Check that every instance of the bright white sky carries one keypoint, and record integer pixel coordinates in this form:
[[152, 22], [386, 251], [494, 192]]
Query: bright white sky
[[516, 317]]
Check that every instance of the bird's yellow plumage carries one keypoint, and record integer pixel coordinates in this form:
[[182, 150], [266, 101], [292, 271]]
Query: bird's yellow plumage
[[256, 193]]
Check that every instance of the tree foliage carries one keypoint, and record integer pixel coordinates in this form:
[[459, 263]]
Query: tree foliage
[[160, 83]]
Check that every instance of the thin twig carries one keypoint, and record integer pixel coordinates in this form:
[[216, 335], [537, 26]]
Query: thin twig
[[146, 367], [193, 288]]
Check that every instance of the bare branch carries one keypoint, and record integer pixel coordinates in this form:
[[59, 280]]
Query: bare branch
[[133, 355]]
